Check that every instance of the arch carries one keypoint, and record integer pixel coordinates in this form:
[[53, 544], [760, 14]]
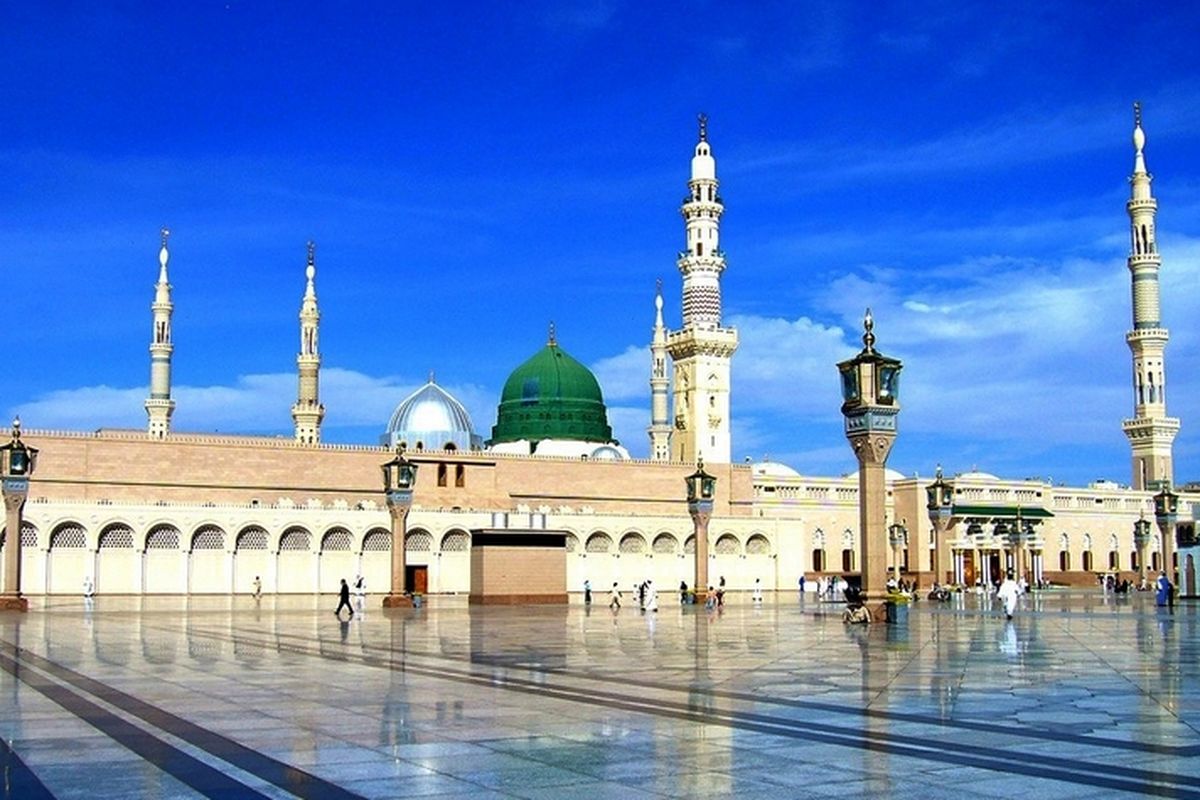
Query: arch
[[337, 539], [68, 535], [208, 537], [758, 545], [1064, 541], [599, 542], [295, 538], [377, 540], [251, 537], [632, 543], [665, 543], [819, 539], [163, 537], [847, 539], [418, 541], [572, 543], [116, 536], [1087, 542], [689, 545], [727, 545], [455, 542]]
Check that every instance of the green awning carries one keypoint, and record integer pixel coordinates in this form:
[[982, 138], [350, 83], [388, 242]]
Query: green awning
[[1001, 512]]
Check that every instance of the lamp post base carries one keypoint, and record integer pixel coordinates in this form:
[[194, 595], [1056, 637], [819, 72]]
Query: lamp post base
[[13, 602], [397, 601]]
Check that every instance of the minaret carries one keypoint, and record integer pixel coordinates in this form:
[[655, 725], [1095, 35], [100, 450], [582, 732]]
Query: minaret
[[308, 412], [660, 421], [159, 405], [1150, 431], [702, 350]]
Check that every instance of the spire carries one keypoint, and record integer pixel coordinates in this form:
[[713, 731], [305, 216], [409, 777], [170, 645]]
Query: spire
[[308, 412], [702, 348], [660, 421], [1150, 431], [159, 405], [552, 342], [868, 338]]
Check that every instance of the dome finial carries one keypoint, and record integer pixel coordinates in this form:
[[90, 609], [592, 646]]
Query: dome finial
[[163, 255], [702, 118], [311, 270], [553, 339], [868, 334], [431, 380], [16, 428]]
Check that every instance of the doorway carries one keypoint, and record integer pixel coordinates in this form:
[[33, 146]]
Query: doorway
[[416, 578]]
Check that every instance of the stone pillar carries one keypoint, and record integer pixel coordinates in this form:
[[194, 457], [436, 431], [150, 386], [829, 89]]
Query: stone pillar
[[872, 452], [398, 507], [942, 562], [701, 513], [15, 491]]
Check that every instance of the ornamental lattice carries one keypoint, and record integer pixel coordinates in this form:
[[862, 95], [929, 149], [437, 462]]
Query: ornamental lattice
[[163, 537], [337, 539], [418, 542], [68, 535], [116, 537], [632, 543], [377, 541], [727, 545], [295, 540], [665, 543], [252, 538], [758, 546], [599, 543], [455, 542], [210, 537]]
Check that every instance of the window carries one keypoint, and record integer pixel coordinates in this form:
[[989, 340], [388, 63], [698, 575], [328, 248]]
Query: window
[[1064, 560], [460, 475], [1114, 559], [818, 560], [1087, 560], [847, 560], [441, 480]]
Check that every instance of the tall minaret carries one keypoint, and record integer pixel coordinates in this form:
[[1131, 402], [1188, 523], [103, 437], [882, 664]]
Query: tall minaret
[[660, 420], [702, 349], [1150, 431], [159, 405], [308, 411]]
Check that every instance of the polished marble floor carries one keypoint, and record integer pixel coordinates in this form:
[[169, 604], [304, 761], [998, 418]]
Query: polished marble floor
[[1079, 696]]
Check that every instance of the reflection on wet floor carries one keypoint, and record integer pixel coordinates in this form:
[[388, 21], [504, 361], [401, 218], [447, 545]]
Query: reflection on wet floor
[[173, 697]]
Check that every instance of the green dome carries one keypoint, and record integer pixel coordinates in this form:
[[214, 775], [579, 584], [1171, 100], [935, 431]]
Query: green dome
[[551, 396]]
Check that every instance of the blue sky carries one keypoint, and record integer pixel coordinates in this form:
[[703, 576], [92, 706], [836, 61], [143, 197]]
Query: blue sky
[[471, 173]]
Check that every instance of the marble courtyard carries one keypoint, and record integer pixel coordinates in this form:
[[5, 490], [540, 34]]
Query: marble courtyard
[[1079, 696]]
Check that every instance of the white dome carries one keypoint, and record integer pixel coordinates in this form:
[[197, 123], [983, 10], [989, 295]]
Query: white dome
[[890, 474], [975, 475], [773, 469], [431, 419]]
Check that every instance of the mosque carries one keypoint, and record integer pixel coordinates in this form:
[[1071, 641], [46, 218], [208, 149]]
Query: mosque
[[164, 512]]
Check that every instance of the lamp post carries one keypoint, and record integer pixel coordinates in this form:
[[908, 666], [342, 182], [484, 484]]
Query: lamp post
[[1166, 512], [870, 406], [939, 497], [17, 462], [399, 480], [1141, 538], [701, 489], [897, 538]]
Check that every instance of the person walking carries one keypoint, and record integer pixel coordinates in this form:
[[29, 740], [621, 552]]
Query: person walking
[[257, 587], [1163, 590], [802, 586], [614, 598], [1009, 592], [344, 600], [587, 592], [651, 597], [683, 598]]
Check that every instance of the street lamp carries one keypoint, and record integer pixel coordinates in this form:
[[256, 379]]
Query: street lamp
[[870, 405], [399, 480], [939, 497], [701, 489], [17, 463], [897, 538], [1141, 538], [1166, 512]]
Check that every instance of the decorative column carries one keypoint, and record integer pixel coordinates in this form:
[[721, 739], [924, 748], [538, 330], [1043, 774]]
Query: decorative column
[[1166, 513], [308, 412], [870, 405], [701, 488], [1141, 539], [897, 538], [159, 405], [399, 481], [17, 462], [939, 497]]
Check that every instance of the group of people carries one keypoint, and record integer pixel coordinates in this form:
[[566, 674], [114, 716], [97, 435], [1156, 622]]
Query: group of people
[[645, 592]]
